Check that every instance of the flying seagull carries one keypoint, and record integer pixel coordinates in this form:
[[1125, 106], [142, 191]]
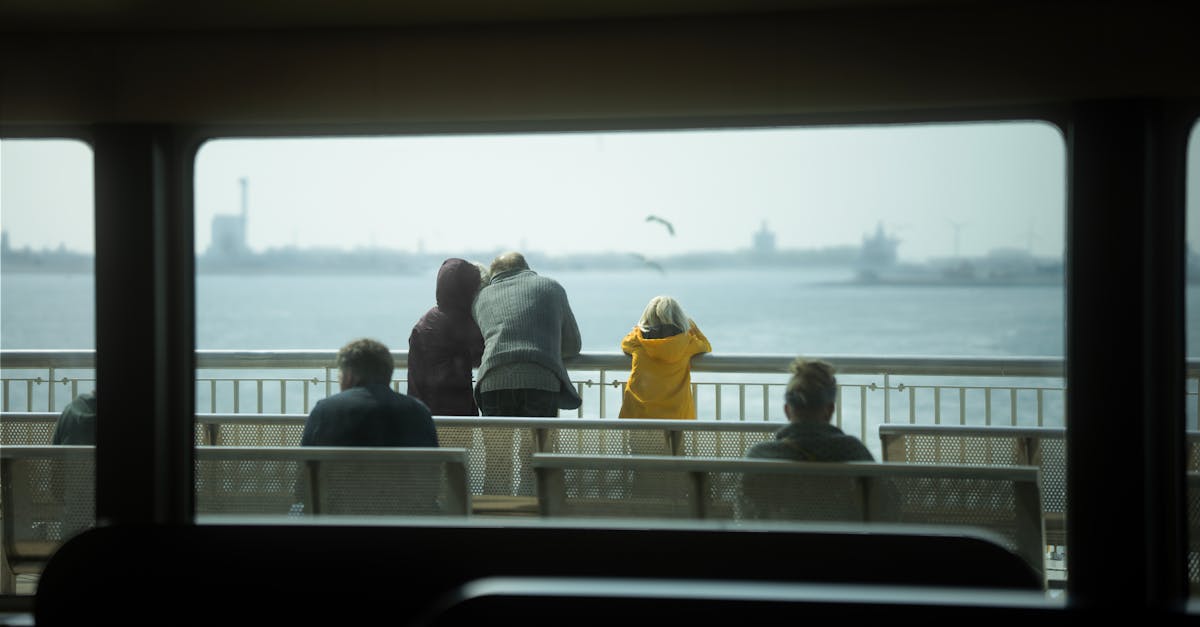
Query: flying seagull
[[670, 228], [651, 264]]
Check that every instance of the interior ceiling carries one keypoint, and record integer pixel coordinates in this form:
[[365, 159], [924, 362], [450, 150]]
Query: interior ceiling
[[99, 15]]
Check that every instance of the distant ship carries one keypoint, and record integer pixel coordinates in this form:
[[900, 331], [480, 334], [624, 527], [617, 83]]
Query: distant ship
[[878, 264]]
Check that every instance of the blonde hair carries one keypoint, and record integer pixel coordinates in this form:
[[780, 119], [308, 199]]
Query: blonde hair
[[812, 386], [663, 310], [485, 274]]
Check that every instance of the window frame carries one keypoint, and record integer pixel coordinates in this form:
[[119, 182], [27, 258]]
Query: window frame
[[145, 263]]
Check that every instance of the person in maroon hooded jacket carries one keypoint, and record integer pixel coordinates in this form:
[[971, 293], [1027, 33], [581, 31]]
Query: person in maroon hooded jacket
[[446, 344]]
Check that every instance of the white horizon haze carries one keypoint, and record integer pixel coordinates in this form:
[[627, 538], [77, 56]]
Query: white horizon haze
[[940, 188]]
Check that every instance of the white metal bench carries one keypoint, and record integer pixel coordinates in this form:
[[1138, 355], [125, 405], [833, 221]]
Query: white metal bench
[[47, 495], [47, 492], [1002, 500], [1043, 447], [499, 449]]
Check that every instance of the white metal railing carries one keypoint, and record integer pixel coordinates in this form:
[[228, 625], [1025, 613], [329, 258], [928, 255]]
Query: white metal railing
[[874, 389]]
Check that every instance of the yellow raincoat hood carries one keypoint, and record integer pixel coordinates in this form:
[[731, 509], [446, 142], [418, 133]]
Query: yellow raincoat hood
[[660, 382]]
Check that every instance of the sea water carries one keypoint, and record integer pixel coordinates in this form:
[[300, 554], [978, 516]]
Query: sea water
[[774, 311]]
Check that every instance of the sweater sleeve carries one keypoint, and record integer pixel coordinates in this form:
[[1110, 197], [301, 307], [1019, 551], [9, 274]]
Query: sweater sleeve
[[572, 343]]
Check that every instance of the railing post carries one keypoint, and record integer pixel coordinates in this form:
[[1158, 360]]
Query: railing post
[[887, 400], [603, 394], [50, 392], [937, 404], [912, 404], [962, 406], [1041, 395], [766, 402], [717, 397], [987, 406], [1012, 406], [862, 406]]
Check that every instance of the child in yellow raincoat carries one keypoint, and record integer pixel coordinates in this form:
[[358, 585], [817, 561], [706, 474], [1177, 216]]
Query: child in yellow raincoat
[[662, 346]]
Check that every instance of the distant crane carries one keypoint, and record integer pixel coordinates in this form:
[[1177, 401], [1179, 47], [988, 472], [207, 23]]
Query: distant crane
[[957, 226]]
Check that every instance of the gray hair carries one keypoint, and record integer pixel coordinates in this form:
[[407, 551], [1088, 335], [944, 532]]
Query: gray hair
[[511, 260]]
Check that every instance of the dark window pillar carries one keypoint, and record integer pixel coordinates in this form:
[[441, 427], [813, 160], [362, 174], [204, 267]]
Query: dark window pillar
[[1125, 355], [144, 325]]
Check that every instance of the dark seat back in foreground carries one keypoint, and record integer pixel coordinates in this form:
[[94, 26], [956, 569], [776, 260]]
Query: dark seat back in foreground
[[393, 573]]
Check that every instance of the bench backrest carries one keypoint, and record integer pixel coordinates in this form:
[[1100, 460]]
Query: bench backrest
[[331, 480], [498, 449], [501, 449], [27, 428], [1002, 500], [1044, 447], [47, 493]]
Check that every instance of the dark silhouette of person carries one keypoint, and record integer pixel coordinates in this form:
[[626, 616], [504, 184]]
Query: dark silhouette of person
[[445, 344], [810, 435], [367, 411], [77, 422]]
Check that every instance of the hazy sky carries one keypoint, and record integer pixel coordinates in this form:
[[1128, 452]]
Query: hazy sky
[[1001, 184]]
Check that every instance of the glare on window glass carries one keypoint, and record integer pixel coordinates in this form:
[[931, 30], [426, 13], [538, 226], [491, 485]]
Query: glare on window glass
[[47, 333], [717, 296]]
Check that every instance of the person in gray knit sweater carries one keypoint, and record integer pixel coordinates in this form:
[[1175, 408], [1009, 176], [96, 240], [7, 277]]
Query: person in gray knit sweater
[[528, 328]]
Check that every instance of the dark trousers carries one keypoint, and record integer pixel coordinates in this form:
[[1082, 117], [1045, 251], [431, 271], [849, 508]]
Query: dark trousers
[[507, 453], [519, 403]]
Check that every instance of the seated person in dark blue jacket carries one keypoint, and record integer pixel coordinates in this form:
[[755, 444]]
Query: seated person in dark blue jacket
[[810, 434], [368, 412], [77, 422]]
